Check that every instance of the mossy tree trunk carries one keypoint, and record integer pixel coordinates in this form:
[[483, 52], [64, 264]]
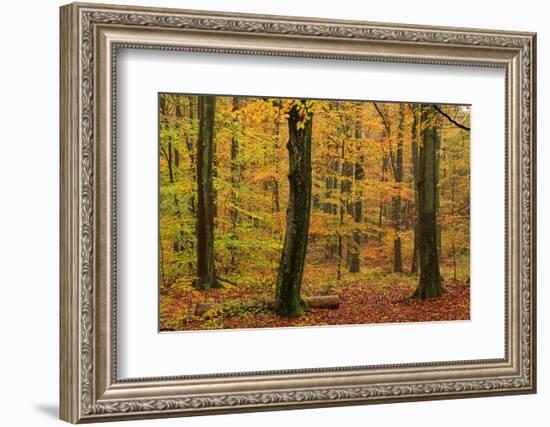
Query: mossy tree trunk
[[429, 285], [288, 300], [206, 269]]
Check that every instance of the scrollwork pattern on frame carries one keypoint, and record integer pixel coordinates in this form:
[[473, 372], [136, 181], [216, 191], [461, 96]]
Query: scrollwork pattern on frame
[[90, 18], [333, 394]]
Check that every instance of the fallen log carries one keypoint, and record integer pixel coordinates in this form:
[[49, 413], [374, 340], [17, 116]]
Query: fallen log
[[321, 301], [324, 301]]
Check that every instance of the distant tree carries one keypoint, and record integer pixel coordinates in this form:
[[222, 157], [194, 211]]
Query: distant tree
[[355, 208], [235, 176], [393, 159], [396, 202], [415, 135]]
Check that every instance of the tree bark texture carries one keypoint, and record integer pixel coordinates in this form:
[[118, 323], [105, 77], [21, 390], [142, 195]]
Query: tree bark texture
[[429, 285], [354, 263], [396, 202], [288, 299], [415, 128], [356, 210], [235, 178], [206, 269]]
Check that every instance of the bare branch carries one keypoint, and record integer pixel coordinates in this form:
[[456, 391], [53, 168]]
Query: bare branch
[[450, 118]]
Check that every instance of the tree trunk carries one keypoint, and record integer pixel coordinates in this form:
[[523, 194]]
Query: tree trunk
[[170, 167], [416, 253], [354, 249], [345, 207], [381, 207], [172, 160], [354, 263], [396, 202], [331, 183], [453, 246], [346, 172], [429, 285], [439, 233], [327, 207], [276, 185], [191, 150], [288, 300], [235, 179], [206, 270], [415, 128], [176, 245]]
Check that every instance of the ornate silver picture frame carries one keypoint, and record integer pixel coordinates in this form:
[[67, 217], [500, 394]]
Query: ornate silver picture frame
[[91, 391]]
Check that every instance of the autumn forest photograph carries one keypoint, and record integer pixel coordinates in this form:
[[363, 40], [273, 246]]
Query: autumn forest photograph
[[282, 212]]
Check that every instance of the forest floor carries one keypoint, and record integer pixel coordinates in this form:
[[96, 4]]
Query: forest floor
[[372, 296]]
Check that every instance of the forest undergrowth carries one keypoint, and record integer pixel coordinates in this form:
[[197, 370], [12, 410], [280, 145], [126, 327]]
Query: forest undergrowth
[[374, 295]]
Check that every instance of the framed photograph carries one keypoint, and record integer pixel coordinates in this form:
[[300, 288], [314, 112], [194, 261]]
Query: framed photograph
[[266, 212]]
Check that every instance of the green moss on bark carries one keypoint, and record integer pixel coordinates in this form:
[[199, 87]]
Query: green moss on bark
[[288, 300], [429, 284], [206, 268]]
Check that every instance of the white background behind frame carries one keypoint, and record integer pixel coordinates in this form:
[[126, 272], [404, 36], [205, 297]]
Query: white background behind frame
[[143, 352], [30, 272]]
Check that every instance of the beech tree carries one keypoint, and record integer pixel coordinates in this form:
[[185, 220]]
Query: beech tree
[[415, 132], [206, 268], [235, 176], [395, 161], [429, 285], [396, 202], [288, 299], [356, 210]]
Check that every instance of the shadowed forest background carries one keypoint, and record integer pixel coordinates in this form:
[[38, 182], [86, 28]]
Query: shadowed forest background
[[287, 212]]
